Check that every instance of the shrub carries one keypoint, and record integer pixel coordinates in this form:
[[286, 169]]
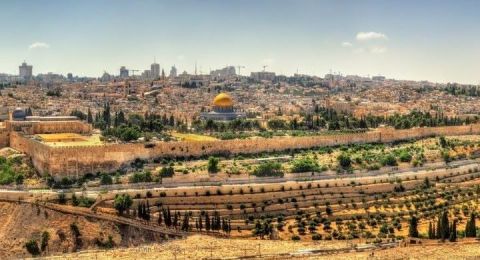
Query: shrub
[[167, 172], [389, 160], [268, 169], [122, 202], [141, 177], [106, 179], [344, 160], [32, 247], [405, 156], [305, 165], [212, 166]]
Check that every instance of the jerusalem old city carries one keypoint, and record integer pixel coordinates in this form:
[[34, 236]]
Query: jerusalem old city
[[239, 129]]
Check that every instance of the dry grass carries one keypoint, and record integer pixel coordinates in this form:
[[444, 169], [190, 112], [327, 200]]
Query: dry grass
[[193, 137], [204, 247], [67, 139]]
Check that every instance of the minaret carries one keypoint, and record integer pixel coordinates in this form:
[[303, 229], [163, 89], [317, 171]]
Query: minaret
[[195, 68]]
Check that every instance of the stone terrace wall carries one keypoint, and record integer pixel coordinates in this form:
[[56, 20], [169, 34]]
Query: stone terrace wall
[[76, 161]]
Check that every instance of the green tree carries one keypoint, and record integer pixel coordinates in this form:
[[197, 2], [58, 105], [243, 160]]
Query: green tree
[[106, 179], [444, 226], [213, 164], [122, 203], [453, 232], [443, 142], [45, 239], [268, 169], [305, 165], [413, 227], [89, 116], [344, 160], [471, 227], [32, 247], [430, 231]]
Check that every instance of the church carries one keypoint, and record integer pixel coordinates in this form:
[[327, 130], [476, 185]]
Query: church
[[222, 109]]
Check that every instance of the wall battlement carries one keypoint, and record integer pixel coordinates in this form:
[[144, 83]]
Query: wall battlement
[[79, 160]]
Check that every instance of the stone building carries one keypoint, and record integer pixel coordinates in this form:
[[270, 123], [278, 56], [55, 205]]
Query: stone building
[[223, 109]]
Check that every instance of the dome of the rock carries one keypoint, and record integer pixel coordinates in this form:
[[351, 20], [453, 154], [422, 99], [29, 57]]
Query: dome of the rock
[[222, 100]]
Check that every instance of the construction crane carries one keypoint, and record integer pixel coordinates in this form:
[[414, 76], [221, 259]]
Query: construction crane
[[133, 72], [264, 66], [240, 67]]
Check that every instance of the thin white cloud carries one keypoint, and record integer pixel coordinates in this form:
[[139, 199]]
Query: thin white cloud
[[268, 61], [181, 57], [347, 44], [367, 36], [359, 50], [378, 49], [38, 45]]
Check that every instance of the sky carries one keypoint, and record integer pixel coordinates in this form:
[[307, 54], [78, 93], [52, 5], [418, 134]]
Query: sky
[[435, 40]]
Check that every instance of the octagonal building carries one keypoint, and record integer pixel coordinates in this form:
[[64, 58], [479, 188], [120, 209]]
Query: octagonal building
[[223, 109]]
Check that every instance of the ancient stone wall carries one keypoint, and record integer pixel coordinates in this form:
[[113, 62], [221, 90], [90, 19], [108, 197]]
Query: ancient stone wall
[[48, 127], [76, 161], [4, 137]]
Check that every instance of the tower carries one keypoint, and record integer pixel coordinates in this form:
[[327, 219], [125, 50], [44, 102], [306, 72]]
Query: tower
[[155, 69]]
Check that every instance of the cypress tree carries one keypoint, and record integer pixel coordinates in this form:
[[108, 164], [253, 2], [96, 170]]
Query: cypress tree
[[453, 232], [200, 222], [439, 229], [445, 228], [147, 212], [207, 222], [430, 230], [175, 220], [471, 228], [413, 229], [140, 210], [89, 116]]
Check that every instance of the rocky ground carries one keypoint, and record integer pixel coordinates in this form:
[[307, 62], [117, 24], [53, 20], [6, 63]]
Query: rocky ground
[[23, 222]]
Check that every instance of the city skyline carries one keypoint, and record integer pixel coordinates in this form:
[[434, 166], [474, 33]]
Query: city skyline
[[431, 40]]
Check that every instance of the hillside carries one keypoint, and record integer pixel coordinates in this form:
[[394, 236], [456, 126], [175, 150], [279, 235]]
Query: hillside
[[23, 222]]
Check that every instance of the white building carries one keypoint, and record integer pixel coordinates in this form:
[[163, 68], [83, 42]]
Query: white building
[[25, 71]]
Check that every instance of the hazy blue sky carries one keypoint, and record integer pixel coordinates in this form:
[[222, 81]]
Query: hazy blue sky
[[434, 40]]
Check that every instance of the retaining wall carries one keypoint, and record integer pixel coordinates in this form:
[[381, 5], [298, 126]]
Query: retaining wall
[[78, 160]]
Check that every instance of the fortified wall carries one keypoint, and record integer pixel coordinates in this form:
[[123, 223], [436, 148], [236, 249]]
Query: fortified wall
[[76, 161]]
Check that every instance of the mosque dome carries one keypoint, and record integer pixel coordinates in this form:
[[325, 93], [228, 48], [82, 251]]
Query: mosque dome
[[19, 114], [222, 100]]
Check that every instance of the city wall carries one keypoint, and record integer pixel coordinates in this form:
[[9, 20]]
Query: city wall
[[77, 161]]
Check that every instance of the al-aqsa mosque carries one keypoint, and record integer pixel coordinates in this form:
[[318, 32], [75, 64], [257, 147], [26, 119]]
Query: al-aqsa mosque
[[222, 109]]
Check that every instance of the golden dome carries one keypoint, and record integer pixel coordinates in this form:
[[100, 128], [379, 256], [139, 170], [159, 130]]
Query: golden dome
[[222, 100]]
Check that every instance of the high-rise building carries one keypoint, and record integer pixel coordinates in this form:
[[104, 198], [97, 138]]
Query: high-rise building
[[226, 72], [155, 70], [263, 75], [25, 71], [173, 72], [147, 74], [123, 72]]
